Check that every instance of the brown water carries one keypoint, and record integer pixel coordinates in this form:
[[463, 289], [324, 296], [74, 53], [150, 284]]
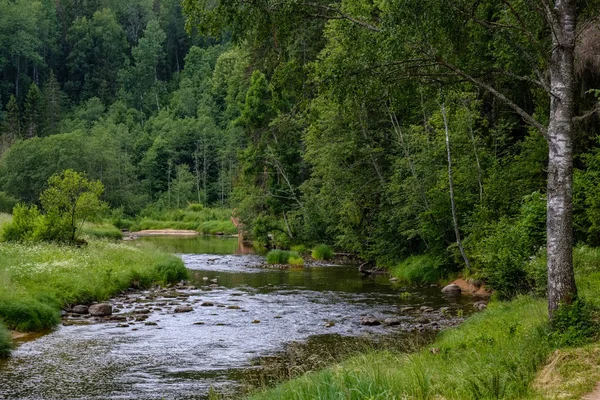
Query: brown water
[[179, 359]]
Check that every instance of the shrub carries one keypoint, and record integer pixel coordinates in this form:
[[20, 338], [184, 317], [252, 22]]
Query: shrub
[[28, 315], [195, 207], [299, 248], [322, 252], [278, 257], [419, 270], [295, 259], [574, 324], [171, 270], [22, 225], [5, 342], [7, 202]]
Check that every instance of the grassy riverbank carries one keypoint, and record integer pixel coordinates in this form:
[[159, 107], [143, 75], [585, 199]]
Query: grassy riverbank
[[507, 351], [37, 280], [210, 221]]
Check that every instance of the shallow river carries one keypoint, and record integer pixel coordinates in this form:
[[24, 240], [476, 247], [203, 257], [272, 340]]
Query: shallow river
[[255, 312]]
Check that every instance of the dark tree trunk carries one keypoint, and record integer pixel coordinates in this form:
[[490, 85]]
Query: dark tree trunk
[[561, 277]]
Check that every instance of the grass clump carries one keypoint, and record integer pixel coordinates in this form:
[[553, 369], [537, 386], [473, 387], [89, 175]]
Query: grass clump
[[5, 342], [322, 252], [209, 221], [283, 257], [299, 248], [418, 270], [494, 354], [36, 280], [278, 257]]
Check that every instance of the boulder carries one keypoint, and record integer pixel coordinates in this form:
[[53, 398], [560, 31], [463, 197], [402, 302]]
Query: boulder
[[480, 305], [100, 310], [183, 309], [369, 321], [207, 304], [451, 289], [80, 309], [391, 321]]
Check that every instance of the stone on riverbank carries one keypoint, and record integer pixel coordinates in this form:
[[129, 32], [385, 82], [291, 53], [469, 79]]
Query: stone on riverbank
[[369, 321], [80, 309], [183, 309], [100, 310], [451, 289]]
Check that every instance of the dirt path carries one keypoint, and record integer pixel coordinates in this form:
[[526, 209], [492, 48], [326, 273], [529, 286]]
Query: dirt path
[[595, 395]]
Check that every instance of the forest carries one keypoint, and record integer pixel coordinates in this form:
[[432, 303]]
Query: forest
[[315, 123]]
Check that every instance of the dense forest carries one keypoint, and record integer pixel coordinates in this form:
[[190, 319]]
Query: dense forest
[[364, 125]]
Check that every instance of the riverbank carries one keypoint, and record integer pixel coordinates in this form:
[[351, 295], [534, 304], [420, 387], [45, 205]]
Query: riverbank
[[38, 280], [505, 352]]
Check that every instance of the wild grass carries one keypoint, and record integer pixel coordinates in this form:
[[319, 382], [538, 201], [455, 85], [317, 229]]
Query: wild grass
[[299, 248], [4, 219], [36, 280], [101, 231], [204, 220], [418, 270], [284, 257], [494, 354], [322, 252]]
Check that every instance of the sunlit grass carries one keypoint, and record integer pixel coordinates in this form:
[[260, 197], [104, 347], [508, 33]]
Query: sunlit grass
[[37, 279]]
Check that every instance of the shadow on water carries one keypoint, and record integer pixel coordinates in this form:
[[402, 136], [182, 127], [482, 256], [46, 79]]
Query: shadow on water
[[248, 327]]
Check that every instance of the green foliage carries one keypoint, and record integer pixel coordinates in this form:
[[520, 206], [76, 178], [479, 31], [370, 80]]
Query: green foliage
[[195, 207], [295, 259], [171, 270], [278, 257], [7, 202], [101, 231], [322, 252], [28, 315], [5, 342], [419, 270], [299, 248], [574, 324]]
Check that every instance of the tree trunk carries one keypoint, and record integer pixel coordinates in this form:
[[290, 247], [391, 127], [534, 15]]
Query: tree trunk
[[561, 278], [451, 185]]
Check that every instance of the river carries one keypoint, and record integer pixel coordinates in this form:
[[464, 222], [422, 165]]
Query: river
[[247, 314]]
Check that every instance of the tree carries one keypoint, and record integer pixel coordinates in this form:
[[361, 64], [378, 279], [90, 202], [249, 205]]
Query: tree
[[11, 126], [183, 185], [71, 197], [54, 101], [33, 111], [490, 44]]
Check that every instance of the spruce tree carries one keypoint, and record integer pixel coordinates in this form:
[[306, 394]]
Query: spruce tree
[[33, 111], [53, 102]]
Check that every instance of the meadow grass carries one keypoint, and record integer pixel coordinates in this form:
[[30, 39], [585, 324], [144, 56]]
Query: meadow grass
[[204, 220], [101, 231], [36, 280], [322, 252], [418, 270]]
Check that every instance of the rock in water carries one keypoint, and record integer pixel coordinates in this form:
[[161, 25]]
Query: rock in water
[[100, 310], [182, 309], [369, 321], [452, 288], [80, 309], [391, 321]]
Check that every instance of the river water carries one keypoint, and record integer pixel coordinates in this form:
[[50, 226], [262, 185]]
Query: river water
[[251, 313]]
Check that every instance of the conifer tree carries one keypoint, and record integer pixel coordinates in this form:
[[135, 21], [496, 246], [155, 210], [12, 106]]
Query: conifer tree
[[33, 111], [53, 102]]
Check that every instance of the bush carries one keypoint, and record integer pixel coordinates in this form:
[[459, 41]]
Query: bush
[[22, 225], [419, 270], [322, 252], [171, 271], [7, 203], [299, 248], [5, 342], [197, 207], [574, 324], [278, 257], [27, 315], [295, 259]]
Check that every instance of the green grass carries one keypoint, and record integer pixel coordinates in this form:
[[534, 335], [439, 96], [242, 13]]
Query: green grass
[[36, 280], [418, 270], [101, 231], [204, 220], [284, 257], [5, 218], [494, 354], [322, 252]]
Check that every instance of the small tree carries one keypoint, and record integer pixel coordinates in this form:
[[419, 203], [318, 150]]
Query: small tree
[[72, 199]]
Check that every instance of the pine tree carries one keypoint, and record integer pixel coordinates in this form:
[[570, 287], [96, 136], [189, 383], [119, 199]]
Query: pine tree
[[12, 120], [53, 102], [33, 111]]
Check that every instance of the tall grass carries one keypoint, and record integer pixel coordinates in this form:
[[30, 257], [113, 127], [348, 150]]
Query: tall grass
[[37, 280], [322, 252], [493, 355], [284, 257], [101, 231], [5, 342], [418, 270]]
